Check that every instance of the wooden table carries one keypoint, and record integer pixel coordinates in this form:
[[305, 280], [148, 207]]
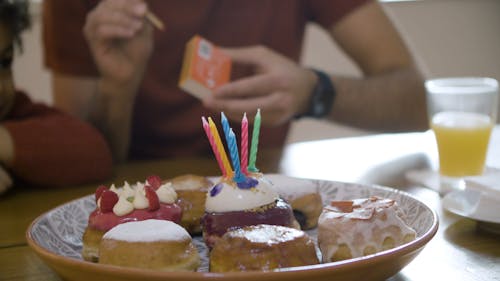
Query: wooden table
[[459, 251]]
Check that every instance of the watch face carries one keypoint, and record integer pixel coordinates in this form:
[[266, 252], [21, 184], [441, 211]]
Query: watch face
[[322, 96], [319, 109]]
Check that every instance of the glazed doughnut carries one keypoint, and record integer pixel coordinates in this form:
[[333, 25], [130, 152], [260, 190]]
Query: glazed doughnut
[[262, 247]]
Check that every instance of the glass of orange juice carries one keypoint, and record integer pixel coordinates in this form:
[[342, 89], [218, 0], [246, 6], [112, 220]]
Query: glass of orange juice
[[462, 112]]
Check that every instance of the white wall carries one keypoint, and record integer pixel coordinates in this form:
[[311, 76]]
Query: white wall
[[29, 72], [448, 38]]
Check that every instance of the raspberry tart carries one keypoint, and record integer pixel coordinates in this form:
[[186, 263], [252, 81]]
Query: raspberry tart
[[114, 206]]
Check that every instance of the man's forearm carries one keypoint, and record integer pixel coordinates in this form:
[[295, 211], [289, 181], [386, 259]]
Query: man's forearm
[[113, 116], [391, 101]]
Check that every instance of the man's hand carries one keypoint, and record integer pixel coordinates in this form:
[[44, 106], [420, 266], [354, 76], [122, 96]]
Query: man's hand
[[279, 86], [120, 39]]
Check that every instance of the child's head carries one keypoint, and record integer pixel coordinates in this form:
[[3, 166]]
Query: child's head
[[14, 19]]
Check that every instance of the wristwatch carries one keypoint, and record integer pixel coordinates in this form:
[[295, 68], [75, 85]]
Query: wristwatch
[[322, 96]]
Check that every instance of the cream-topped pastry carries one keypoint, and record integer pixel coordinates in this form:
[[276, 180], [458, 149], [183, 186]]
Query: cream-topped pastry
[[142, 201], [152, 244], [303, 196], [290, 188], [355, 228], [232, 205], [226, 196]]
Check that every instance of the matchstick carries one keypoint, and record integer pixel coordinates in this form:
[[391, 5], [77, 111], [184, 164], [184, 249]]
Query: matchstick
[[155, 21]]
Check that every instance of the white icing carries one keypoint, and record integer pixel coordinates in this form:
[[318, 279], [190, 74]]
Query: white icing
[[139, 186], [232, 198], [147, 231], [140, 200], [137, 197], [123, 206], [115, 190], [357, 234], [291, 188], [166, 194], [127, 190]]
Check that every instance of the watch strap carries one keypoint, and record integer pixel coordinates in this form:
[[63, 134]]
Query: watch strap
[[322, 96]]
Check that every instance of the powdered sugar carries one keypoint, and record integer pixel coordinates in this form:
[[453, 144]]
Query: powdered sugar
[[148, 231]]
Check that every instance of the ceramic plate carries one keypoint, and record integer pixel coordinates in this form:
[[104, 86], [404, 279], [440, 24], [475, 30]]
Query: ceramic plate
[[56, 237]]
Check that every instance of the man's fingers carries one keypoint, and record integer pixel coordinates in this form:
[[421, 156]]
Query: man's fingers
[[115, 19], [251, 86], [133, 8], [253, 55]]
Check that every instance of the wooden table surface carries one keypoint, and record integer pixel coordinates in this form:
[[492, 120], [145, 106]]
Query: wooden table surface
[[460, 250]]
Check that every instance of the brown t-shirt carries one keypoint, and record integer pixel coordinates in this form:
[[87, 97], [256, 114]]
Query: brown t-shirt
[[166, 120], [52, 148]]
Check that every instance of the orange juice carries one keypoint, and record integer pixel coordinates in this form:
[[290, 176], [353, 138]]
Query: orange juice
[[462, 140]]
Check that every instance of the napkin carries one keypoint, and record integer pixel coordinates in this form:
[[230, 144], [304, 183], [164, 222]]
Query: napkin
[[488, 184], [443, 185], [480, 200]]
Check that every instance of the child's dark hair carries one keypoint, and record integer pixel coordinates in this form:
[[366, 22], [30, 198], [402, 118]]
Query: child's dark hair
[[14, 14]]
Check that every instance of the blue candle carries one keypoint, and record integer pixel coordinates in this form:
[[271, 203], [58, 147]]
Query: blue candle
[[225, 127], [233, 150]]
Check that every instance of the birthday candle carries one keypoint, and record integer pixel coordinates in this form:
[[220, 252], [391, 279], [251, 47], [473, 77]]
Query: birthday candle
[[233, 151], [225, 126], [244, 144], [220, 148], [210, 137], [255, 143]]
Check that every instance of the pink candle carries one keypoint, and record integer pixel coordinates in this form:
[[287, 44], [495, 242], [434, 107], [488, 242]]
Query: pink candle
[[211, 139], [244, 144]]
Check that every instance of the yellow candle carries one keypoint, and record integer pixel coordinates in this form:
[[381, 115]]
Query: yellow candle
[[220, 147]]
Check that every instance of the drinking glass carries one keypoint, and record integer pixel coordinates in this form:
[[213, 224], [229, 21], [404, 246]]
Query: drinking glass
[[462, 112]]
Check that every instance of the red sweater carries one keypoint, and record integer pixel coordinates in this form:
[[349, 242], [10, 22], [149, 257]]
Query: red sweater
[[166, 121], [54, 149]]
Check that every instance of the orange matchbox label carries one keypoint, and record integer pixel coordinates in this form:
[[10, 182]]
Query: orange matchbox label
[[204, 67]]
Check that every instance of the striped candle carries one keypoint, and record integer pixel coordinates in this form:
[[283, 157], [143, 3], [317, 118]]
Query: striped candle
[[233, 151], [220, 148], [244, 144], [255, 143], [225, 126], [211, 139]]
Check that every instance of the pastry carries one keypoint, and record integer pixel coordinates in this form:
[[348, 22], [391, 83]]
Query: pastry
[[360, 227], [191, 192], [232, 205], [142, 201], [151, 244], [262, 247], [303, 196]]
